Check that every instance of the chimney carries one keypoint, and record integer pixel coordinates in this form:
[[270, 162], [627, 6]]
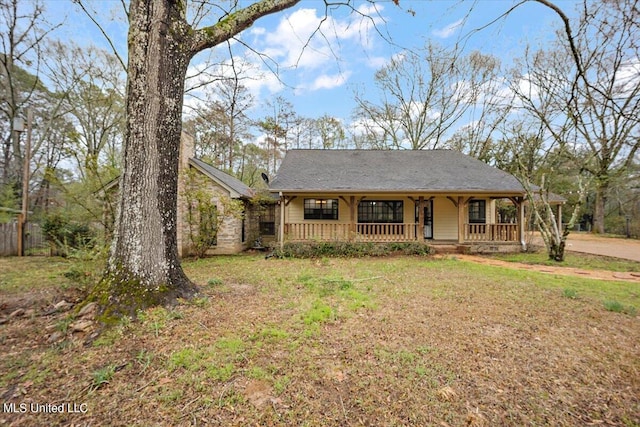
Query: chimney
[[187, 150]]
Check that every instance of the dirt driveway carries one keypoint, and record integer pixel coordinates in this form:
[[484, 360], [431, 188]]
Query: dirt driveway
[[609, 246], [585, 243]]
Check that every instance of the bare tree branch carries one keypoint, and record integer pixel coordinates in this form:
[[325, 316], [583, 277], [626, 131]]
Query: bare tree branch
[[104, 33]]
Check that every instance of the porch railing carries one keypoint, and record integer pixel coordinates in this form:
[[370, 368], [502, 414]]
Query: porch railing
[[384, 232], [378, 232], [316, 231], [491, 232], [375, 232]]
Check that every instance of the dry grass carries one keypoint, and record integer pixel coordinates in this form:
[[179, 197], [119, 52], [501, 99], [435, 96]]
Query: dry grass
[[573, 259], [379, 342]]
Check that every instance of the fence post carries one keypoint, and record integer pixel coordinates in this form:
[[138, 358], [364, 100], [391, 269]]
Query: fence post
[[20, 235]]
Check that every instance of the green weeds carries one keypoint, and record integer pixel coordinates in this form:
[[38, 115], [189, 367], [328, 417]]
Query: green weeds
[[617, 307], [570, 293], [102, 376]]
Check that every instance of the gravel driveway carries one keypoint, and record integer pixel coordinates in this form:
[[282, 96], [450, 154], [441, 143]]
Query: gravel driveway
[[609, 246]]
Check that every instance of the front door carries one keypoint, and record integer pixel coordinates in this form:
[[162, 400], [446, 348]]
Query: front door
[[428, 219]]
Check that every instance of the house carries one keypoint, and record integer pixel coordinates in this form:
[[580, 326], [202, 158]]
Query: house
[[235, 233], [439, 196]]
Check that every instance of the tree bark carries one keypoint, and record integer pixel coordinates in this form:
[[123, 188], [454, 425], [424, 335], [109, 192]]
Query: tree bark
[[599, 207], [143, 267]]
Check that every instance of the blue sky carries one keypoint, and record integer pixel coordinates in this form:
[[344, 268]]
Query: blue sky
[[318, 75]]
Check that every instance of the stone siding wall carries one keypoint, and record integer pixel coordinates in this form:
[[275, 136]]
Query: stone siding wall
[[230, 236], [229, 239]]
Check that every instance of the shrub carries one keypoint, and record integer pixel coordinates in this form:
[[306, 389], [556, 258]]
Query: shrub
[[65, 235], [349, 249]]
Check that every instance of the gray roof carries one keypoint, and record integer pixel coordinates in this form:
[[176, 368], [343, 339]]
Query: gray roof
[[390, 171], [236, 188]]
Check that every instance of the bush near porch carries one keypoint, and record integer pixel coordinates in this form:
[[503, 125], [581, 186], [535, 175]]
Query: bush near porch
[[349, 249]]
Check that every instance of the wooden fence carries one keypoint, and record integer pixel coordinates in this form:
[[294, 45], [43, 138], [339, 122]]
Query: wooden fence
[[34, 239]]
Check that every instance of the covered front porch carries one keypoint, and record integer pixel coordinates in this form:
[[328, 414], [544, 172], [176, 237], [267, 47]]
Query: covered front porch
[[437, 219], [389, 233]]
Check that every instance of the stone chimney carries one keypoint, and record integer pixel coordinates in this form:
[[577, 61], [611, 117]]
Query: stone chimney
[[187, 151]]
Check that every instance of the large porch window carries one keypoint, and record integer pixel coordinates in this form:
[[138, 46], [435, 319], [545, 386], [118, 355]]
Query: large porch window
[[268, 221], [477, 211], [380, 211], [321, 209]]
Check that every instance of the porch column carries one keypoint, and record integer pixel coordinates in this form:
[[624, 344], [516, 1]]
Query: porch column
[[520, 215], [352, 218], [421, 219], [282, 217], [461, 205]]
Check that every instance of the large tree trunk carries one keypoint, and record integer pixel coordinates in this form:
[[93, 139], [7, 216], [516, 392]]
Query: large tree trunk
[[599, 206], [143, 267]]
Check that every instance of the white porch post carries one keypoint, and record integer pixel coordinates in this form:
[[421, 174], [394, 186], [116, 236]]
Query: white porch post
[[520, 213], [421, 219], [352, 219], [282, 218], [461, 205]]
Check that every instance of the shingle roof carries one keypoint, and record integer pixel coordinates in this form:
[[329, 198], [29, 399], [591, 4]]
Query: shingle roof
[[383, 170], [231, 183]]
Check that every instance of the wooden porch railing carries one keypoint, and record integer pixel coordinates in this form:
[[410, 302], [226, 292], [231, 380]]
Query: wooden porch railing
[[384, 232], [376, 232], [491, 232], [316, 231]]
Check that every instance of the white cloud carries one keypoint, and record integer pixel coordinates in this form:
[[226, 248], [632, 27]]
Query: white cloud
[[449, 30], [628, 78], [371, 9], [202, 76], [377, 62], [257, 31], [302, 49], [290, 42], [528, 87], [327, 81], [308, 39]]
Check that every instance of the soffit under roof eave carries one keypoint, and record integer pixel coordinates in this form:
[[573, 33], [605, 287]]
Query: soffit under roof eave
[[232, 193]]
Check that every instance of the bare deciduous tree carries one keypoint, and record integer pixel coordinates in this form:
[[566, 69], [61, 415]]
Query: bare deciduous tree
[[485, 116], [90, 83], [422, 96], [21, 42], [593, 80]]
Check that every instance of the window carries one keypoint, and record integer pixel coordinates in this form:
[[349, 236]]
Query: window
[[380, 211], [207, 227], [477, 211], [268, 221], [321, 209]]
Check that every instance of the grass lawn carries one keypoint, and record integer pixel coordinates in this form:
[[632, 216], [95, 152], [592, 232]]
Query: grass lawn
[[573, 259], [411, 341]]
